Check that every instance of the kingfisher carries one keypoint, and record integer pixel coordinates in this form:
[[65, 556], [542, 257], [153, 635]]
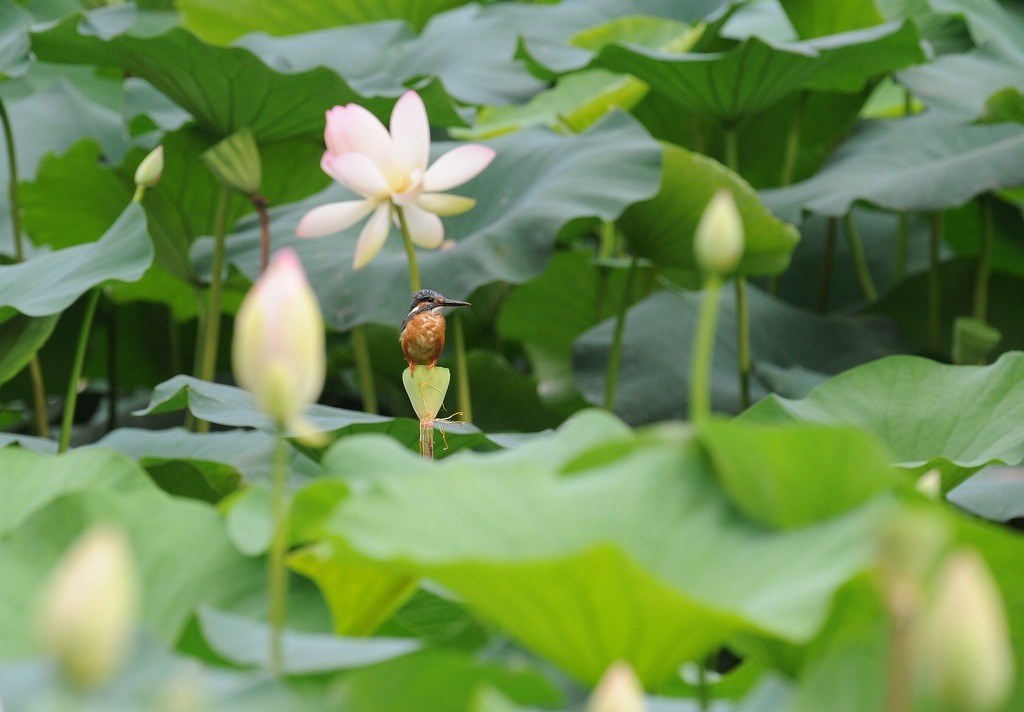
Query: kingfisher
[[423, 330]]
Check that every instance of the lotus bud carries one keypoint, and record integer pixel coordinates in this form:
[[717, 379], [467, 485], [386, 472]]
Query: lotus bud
[[964, 650], [278, 349], [930, 484], [89, 608], [618, 691], [149, 171], [236, 162], [718, 241]]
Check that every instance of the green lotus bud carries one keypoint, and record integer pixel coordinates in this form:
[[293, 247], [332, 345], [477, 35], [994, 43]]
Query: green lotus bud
[[718, 241], [149, 171], [236, 162], [426, 388], [278, 349], [618, 691], [89, 608], [964, 653]]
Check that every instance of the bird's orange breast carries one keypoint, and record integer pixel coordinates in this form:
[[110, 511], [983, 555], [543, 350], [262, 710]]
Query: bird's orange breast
[[423, 339]]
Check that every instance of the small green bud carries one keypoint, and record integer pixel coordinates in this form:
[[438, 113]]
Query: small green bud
[[718, 241], [964, 653], [149, 171], [90, 607], [236, 162], [618, 691]]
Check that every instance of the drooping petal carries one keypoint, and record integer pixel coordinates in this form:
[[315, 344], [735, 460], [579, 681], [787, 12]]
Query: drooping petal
[[333, 217], [445, 204], [456, 167], [357, 172], [363, 132], [425, 229], [374, 233], [410, 131]]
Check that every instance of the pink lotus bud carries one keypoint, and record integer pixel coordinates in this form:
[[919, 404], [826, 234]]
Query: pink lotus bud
[[90, 606], [278, 349]]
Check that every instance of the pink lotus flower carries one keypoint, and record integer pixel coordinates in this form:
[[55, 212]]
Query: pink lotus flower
[[389, 171]]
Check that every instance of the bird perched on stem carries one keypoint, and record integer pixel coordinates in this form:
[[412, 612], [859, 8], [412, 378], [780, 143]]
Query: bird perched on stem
[[423, 329]]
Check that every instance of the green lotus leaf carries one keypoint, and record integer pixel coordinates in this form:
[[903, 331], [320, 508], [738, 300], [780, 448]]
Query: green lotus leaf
[[50, 282], [955, 418], [923, 163], [618, 530]]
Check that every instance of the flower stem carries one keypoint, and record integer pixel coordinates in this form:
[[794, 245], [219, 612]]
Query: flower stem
[[899, 691], [410, 251], [742, 315], [211, 325], [743, 340], [902, 237], [703, 350], [793, 141], [860, 261], [462, 370], [934, 294], [277, 574], [71, 398], [427, 439], [984, 259], [364, 369], [35, 369], [611, 380], [260, 203], [825, 278]]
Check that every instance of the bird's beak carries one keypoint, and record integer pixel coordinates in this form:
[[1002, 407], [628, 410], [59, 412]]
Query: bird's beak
[[454, 303]]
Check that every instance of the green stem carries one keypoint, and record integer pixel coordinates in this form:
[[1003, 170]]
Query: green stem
[[260, 203], [605, 250], [211, 325], [984, 259], [742, 312], [934, 294], [703, 350], [140, 190], [410, 251], [793, 141], [71, 398], [902, 238], [427, 439], [743, 340], [899, 691], [112, 366], [615, 355], [462, 370], [277, 574], [364, 369], [35, 369], [732, 154], [860, 261], [827, 258]]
